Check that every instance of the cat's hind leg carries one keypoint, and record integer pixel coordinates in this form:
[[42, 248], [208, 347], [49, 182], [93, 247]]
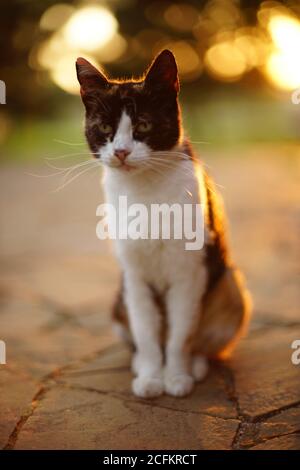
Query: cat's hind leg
[[225, 316], [120, 321], [199, 367]]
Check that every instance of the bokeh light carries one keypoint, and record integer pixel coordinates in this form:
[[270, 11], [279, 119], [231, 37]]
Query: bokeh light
[[148, 41], [225, 61], [56, 16], [91, 31], [214, 38], [188, 60], [181, 17], [63, 72], [283, 65], [90, 28]]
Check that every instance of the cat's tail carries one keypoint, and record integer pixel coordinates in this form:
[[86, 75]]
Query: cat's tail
[[225, 316]]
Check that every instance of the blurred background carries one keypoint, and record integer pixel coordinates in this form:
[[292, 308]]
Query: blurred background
[[238, 63], [239, 67]]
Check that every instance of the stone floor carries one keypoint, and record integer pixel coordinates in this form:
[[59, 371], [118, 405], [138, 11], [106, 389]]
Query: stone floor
[[66, 384]]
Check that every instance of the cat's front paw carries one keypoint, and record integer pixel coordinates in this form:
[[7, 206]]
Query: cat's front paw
[[178, 385], [147, 387]]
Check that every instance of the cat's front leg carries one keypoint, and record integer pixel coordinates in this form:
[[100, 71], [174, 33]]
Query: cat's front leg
[[183, 307], [144, 321]]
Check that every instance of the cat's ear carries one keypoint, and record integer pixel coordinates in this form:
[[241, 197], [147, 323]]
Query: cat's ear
[[163, 72], [89, 77]]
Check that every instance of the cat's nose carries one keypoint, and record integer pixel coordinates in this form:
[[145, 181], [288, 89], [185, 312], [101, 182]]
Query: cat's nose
[[121, 154]]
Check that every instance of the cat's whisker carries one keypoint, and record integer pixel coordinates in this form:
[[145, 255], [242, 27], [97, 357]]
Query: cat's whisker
[[173, 153], [206, 165], [54, 167], [199, 142], [59, 157], [211, 189], [75, 167], [68, 143], [180, 163], [66, 183], [156, 170], [169, 157], [161, 170], [44, 176], [66, 169], [173, 165], [176, 163], [60, 171], [166, 158], [165, 165], [149, 165]]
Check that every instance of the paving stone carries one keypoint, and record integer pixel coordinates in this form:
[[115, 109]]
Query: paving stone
[[40, 340], [282, 423], [265, 378], [26, 315], [47, 352], [110, 372], [291, 442], [70, 282], [71, 419], [17, 391], [287, 421], [116, 357]]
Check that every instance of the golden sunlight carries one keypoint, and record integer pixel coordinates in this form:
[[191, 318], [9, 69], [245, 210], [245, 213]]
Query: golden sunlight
[[225, 61], [283, 65], [89, 31], [56, 16], [63, 72], [90, 28], [188, 60]]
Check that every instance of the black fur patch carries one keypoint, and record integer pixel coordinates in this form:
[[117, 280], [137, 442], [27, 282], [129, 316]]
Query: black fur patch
[[154, 98], [217, 256], [139, 102]]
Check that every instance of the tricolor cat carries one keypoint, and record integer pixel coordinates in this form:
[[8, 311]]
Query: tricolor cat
[[177, 307]]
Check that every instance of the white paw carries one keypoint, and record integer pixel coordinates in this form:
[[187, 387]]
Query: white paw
[[199, 367], [179, 385], [147, 387]]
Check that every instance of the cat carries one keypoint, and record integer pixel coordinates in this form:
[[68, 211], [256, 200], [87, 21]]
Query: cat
[[179, 308]]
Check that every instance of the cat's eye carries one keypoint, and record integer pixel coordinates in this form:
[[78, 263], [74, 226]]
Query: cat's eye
[[105, 128], [144, 126]]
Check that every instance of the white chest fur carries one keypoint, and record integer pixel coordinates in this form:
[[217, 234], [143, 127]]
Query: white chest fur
[[158, 262]]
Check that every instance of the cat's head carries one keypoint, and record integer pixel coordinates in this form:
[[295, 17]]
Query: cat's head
[[129, 121]]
